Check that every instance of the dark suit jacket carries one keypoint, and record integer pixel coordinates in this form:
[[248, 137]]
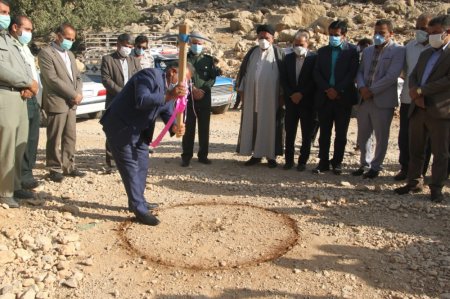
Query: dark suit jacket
[[437, 88], [58, 88], [304, 83], [136, 107], [344, 73], [112, 74]]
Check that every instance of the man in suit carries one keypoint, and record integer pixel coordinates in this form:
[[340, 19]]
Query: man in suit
[[377, 77], [125, 122], [198, 109], [116, 69], [16, 85], [429, 88], [62, 92], [334, 74], [412, 52], [299, 88]]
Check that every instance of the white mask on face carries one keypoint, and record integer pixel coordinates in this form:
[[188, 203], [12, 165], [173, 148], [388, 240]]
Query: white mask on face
[[125, 51], [436, 40], [300, 51], [421, 36], [264, 44]]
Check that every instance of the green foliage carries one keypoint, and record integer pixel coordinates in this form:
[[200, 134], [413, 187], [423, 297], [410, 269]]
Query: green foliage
[[82, 14]]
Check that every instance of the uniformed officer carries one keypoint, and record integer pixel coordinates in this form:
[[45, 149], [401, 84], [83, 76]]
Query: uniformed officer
[[199, 102], [16, 85]]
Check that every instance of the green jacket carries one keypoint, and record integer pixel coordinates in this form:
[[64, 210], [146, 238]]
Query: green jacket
[[205, 71], [13, 70]]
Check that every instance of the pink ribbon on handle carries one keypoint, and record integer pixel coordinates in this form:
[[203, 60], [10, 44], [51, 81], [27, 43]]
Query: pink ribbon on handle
[[179, 108]]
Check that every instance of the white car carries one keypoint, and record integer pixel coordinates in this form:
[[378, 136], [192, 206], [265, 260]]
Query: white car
[[94, 96]]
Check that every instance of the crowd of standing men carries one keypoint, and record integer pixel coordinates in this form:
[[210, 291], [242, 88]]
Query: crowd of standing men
[[278, 91], [320, 89]]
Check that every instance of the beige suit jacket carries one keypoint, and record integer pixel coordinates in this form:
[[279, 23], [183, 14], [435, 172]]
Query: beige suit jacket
[[58, 87]]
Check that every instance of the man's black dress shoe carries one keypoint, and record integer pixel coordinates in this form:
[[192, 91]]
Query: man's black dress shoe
[[147, 219], [30, 184], [185, 163], [301, 167], [371, 174], [408, 188], [358, 172], [204, 161], [272, 163], [56, 176], [150, 206], [288, 165], [252, 161], [337, 170], [321, 169], [401, 175], [436, 195], [76, 173], [23, 194]]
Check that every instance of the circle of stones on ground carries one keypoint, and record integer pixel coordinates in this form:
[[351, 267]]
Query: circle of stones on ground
[[208, 236]]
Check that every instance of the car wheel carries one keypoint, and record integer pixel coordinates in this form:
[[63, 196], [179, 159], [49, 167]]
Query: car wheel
[[95, 115], [220, 109]]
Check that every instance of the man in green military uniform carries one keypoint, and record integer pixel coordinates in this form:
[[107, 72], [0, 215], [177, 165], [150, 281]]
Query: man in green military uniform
[[16, 85], [199, 101], [21, 29]]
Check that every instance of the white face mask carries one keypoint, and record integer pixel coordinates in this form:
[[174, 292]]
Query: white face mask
[[125, 51], [300, 51], [436, 40], [264, 44], [421, 36]]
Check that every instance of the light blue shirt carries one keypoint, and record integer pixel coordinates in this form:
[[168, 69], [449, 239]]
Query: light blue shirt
[[335, 51]]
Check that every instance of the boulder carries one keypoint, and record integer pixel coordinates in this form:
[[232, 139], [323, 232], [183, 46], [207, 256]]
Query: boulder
[[244, 25], [6, 257], [321, 25], [395, 6], [310, 13], [285, 19], [287, 35]]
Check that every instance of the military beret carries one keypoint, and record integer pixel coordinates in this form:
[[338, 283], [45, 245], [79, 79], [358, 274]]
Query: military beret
[[265, 28]]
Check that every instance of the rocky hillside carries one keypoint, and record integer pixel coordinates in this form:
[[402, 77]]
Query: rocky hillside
[[231, 23]]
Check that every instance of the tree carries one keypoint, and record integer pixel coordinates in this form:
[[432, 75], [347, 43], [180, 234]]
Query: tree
[[82, 14]]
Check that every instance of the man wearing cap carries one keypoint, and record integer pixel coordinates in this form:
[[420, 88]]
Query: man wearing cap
[[259, 87], [198, 109], [16, 85], [116, 69]]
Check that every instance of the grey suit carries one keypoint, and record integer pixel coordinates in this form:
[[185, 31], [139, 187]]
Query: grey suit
[[14, 76], [433, 121], [114, 80], [59, 89], [112, 74], [375, 115]]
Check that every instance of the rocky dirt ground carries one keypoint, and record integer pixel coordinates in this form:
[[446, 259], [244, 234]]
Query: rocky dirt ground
[[227, 231]]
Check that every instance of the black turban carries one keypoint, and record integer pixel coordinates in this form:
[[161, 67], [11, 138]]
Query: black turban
[[266, 28]]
